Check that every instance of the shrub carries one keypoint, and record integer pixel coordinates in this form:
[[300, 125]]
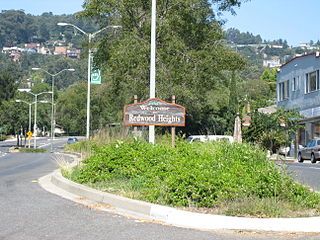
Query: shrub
[[3, 137], [32, 150], [193, 175]]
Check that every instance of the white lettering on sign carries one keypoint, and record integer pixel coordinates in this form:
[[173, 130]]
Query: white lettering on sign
[[152, 108], [154, 112], [168, 119], [140, 118], [154, 118]]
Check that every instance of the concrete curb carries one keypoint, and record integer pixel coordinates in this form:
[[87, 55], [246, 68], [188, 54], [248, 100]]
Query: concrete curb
[[282, 159], [181, 218]]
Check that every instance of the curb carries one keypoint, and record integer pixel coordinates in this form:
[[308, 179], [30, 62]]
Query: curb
[[180, 218], [284, 160]]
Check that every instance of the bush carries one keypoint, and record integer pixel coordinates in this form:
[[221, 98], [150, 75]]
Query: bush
[[3, 137], [32, 150], [193, 175]]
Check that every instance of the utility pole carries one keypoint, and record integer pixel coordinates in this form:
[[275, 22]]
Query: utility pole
[[153, 64]]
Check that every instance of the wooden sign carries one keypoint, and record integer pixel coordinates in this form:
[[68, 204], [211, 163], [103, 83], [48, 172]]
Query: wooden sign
[[154, 112]]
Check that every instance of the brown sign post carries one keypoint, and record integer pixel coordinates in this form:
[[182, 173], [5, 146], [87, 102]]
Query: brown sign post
[[156, 112]]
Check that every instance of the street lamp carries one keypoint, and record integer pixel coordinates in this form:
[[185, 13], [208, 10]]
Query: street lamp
[[90, 37], [52, 98], [35, 111]]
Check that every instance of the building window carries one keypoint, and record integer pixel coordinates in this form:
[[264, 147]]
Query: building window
[[312, 81], [316, 129], [302, 136], [295, 83], [283, 90]]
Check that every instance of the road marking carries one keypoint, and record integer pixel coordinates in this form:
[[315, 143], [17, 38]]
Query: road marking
[[44, 144]]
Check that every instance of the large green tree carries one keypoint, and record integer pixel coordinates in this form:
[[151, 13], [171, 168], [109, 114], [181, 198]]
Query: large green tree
[[192, 61], [7, 85], [14, 116]]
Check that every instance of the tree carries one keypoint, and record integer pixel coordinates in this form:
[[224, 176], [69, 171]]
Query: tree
[[7, 86], [191, 57], [15, 116], [71, 109], [268, 130], [270, 77], [238, 37]]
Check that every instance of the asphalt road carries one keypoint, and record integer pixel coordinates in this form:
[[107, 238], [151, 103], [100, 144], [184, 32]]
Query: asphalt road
[[29, 212], [306, 173]]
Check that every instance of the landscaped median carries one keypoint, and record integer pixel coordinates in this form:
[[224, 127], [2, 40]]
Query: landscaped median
[[216, 178], [26, 150]]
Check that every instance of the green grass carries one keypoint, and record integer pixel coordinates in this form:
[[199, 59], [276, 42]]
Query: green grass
[[231, 179], [32, 150]]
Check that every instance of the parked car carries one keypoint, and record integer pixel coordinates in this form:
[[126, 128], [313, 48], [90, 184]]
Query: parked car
[[284, 151], [206, 138], [310, 151], [72, 140]]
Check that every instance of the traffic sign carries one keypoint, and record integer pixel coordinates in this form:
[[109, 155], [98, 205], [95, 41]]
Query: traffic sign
[[29, 133]]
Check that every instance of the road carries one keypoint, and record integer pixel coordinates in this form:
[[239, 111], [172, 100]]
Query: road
[[306, 173], [28, 212]]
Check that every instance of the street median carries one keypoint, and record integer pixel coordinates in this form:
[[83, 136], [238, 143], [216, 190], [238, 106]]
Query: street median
[[181, 218]]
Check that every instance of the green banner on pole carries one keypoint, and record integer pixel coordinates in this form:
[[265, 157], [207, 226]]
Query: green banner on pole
[[95, 74]]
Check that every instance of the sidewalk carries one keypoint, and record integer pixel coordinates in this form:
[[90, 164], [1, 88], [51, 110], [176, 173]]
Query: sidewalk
[[57, 184], [281, 158]]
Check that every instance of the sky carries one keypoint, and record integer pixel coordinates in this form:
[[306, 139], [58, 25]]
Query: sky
[[37, 7], [293, 20], [296, 21]]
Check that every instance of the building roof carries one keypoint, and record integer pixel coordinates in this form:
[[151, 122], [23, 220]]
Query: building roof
[[316, 54]]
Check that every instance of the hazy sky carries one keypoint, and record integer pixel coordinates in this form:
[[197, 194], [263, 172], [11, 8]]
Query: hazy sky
[[293, 20], [37, 7], [297, 21]]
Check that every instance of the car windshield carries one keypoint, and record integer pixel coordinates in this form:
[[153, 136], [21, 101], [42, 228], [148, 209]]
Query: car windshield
[[311, 144]]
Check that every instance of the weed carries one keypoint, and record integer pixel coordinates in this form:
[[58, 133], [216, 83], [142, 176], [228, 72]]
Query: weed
[[32, 150], [203, 175]]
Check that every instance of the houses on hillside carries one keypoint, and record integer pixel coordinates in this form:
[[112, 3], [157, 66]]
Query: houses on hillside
[[56, 49]]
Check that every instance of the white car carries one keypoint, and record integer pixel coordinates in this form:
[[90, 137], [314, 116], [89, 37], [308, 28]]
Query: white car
[[284, 151]]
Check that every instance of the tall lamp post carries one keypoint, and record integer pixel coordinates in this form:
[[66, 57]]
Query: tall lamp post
[[52, 98], [90, 37], [35, 111]]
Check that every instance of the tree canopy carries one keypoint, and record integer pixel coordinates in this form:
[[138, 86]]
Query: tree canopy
[[192, 61], [17, 27], [7, 86]]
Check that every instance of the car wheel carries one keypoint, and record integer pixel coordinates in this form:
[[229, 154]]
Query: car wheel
[[313, 159], [300, 159]]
